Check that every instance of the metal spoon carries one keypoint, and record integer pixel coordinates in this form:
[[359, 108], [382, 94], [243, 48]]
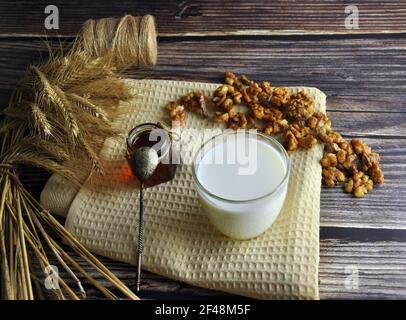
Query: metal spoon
[[144, 162]]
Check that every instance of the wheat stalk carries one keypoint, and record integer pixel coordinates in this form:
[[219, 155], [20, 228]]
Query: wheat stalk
[[40, 120], [87, 106], [58, 118]]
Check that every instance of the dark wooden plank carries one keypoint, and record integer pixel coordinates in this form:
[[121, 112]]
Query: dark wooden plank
[[347, 70], [379, 263], [366, 234], [372, 124], [211, 17], [356, 74], [383, 207], [380, 267]]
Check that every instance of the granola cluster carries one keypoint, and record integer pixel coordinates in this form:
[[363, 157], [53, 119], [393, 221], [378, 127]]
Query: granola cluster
[[276, 110]]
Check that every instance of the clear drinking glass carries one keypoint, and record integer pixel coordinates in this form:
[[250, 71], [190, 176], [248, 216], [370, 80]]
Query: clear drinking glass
[[248, 217]]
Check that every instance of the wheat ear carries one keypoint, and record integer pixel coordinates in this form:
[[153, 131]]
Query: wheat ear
[[41, 121], [56, 97], [88, 107]]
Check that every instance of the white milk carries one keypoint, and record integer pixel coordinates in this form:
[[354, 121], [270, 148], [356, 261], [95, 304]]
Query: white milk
[[246, 175]]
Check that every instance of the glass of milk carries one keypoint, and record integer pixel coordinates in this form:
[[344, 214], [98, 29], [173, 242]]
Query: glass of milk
[[241, 178]]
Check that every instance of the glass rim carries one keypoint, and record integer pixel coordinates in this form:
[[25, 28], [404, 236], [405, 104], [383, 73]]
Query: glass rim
[[280, 149], [150, 126]]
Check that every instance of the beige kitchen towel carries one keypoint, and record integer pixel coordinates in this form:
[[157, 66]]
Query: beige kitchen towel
[[180, 242]]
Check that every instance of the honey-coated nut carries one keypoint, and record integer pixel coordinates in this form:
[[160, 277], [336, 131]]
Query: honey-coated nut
[[377, 174], [280, 97], [254, 89], [319, 120], [244, 80], [307, 142], [226, 97], [300, 106], [332, 176], [368, 160], [351, 163], [329, 160], [221, 117], [230, 78], [176, 113], [273, 114], [194, 102], [360, 147], [328, 136], [275, 126], [276, 111], [359, 184], [238, 121], [291, 142], [257, 110], [341, 155]]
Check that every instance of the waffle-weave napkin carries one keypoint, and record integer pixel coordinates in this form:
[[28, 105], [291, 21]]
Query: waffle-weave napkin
[[180, 242]]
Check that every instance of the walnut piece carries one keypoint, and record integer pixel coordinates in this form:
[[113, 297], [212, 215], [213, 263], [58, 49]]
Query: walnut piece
[[291, 141], [307, 142], [230, 78], [377, 174], [176, 113], [238, 121], [225, 97], [195, 102], [280, 97], [275, 126], [300, 106], [359, 184], [360, 147], [332, 176], [304, 138], [275, 110], [329, 160], [356, 160], [319, 120]]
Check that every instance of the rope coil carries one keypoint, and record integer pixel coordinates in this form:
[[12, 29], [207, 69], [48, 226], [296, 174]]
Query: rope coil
[[132, 40]]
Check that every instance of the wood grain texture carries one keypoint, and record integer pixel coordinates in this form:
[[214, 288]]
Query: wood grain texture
[[356, 74], [363, 76], [211, 17], [383, 207], [379, 265], [381, 269]]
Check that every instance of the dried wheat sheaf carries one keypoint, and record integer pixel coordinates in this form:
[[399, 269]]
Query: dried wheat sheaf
[[57, 119]]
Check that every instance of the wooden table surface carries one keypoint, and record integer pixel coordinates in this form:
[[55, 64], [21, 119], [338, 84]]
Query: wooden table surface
[[292, 43]]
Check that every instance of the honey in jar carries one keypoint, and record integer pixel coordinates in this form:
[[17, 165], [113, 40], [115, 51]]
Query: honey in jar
[[154, 136]]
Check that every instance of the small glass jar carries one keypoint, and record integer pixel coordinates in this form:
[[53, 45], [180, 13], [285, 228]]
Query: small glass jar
[[157, 137], [260, 202]]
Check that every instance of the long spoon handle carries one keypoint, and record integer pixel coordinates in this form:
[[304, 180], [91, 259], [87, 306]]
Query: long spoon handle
[[140, 237]]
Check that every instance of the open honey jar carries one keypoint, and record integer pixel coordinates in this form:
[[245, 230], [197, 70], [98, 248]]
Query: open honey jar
[[157, 137]]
